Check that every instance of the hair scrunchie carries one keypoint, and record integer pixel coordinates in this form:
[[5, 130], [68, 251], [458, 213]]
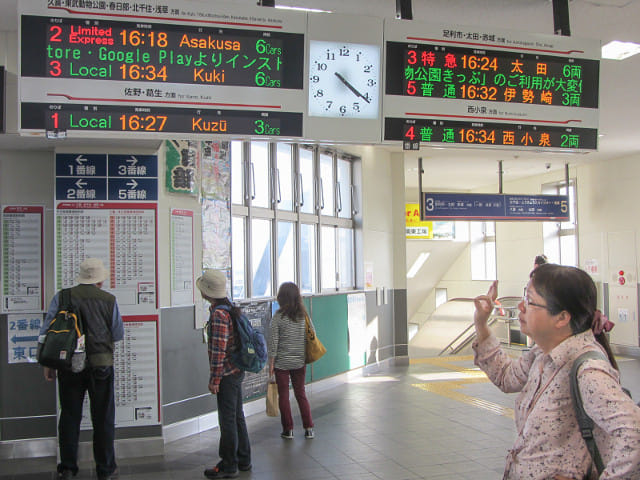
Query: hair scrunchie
[[601, 323]]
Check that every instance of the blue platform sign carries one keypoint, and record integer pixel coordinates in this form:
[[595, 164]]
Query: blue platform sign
[[81, 165], [489, 206], [138, 166], [81, 188], [133, 189]]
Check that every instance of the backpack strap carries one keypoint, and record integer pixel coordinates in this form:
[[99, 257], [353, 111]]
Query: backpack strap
[[65, 298], [585, 423]]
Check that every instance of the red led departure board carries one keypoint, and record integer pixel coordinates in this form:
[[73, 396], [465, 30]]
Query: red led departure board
[[432, 131], [101, 49], [452, 72]]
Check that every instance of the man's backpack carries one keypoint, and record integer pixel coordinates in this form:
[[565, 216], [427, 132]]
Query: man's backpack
[[63, 344], [584, 421], [251, 352]]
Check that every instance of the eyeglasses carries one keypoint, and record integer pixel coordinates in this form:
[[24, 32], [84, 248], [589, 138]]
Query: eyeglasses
[[528, 303]]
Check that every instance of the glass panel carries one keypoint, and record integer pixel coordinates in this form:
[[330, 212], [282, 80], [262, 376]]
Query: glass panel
[[345, 263], [237, 176], [261, 257], [326, 174], [286, 253], [237, 258], [285, 177], [307, 258], [260, 174], [490, 260], [568, 250], [344, 188], [328, 258], [306, 170]]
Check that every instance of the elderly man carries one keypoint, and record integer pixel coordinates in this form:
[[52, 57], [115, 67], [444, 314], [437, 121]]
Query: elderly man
[[103, 326]]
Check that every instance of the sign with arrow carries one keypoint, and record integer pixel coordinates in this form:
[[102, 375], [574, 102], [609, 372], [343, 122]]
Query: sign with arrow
[[22, 337], [81, 165], [133, 189], [145, 166], [85, 189]]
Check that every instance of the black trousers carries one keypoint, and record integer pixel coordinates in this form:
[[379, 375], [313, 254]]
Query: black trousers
[[234, 447], [98, 381]]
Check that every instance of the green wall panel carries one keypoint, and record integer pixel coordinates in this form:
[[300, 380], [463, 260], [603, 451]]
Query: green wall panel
[[330, 318]]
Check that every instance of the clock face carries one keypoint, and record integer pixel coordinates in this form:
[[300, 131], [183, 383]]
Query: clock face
[[344, 80]]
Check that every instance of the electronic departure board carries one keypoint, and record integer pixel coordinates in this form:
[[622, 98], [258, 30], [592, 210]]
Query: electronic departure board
[[427, 131], [159, 120], [163, 53], [490, 75]]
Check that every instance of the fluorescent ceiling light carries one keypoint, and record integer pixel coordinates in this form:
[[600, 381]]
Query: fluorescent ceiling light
[[315, 10], [417, 265], [616, 50]]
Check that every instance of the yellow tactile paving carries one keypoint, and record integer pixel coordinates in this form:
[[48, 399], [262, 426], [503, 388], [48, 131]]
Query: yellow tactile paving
[[449, 388]]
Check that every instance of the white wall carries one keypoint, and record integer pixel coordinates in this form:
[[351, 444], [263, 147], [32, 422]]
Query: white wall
[[382, 212]]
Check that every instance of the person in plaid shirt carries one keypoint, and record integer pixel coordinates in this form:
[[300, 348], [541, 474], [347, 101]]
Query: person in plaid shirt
[[225, 379]]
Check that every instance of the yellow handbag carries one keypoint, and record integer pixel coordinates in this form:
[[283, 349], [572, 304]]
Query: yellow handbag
[[313, 347]]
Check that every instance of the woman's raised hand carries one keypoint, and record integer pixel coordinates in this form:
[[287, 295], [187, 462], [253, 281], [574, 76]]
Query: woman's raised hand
[[484, 306]]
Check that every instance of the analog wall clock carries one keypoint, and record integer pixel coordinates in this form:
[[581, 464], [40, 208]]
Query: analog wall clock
[[344, 79]]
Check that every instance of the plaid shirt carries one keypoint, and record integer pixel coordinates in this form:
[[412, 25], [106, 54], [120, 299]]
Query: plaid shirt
[[221, 344]]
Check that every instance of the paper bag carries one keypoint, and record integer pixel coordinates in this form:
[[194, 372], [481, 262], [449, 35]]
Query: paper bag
[[272, 399]]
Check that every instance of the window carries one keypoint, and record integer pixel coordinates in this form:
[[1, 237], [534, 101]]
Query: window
[[284, 177], [237, 173], [483, 250], [294, 202], [237, 257], [561, 238]]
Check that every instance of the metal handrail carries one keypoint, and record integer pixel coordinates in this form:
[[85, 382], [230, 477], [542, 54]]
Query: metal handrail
[[493, 319]]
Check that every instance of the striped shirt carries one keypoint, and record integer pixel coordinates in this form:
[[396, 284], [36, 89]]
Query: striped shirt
[[286, 341], [221, 344]]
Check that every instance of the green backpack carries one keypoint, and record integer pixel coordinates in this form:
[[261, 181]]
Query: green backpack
[[63, 344]]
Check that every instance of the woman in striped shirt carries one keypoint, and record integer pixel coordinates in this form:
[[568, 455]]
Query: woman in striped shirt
[[286, 357]]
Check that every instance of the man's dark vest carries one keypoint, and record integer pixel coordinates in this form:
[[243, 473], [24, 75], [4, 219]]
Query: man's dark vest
[[96, 307]]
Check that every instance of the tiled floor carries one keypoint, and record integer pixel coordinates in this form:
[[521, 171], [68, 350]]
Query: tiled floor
[[436, 419]]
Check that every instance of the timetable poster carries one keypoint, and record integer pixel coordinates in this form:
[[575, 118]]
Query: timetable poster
[[259, 314], [181, 257], [136, 366], [22, 257], [123, 236]]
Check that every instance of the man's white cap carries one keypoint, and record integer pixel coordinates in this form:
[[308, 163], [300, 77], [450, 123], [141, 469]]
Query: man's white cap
[[92, 271]]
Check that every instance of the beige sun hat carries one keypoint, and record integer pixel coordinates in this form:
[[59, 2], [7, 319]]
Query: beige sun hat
[[92, 271], [213, 283]]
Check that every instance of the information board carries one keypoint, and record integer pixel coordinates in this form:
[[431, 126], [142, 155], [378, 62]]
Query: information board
[[490, 134], [22, 258], [103, 67], [123, 236], [136, 379], [488, 206], [106, 177], [158, 121], [181, 257], [259, 314], [488, 87], [515, 76]]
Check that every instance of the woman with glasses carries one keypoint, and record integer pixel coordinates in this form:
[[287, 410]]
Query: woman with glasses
[[558, 312]]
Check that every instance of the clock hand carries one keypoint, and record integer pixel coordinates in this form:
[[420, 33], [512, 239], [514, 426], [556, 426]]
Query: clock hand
[[351, 87]]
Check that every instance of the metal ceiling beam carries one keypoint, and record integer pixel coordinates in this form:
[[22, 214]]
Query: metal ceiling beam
[[561, 18], [404, 10]]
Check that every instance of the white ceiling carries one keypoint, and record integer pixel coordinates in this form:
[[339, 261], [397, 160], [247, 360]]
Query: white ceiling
[[471, 168]]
